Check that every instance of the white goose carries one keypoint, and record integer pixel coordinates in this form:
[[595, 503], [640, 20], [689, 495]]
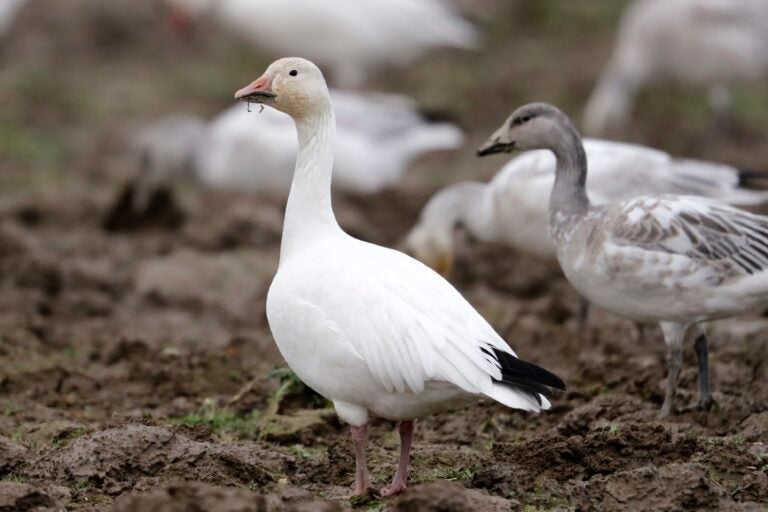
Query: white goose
[[712, 43], [370, 328], [512, 208], [675, 260], [379, 135], [351, 37], [8, 9]]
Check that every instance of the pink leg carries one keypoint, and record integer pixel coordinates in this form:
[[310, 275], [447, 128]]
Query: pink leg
[[399, 483], [362, 481]]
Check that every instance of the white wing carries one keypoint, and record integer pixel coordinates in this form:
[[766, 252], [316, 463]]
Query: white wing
[[412, 327], [248, 149], [365, 33], [8, 10], [619, 171], [377, 136], [379, 115]]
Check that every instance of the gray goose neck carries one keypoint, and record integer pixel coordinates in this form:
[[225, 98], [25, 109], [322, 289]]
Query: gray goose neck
[[568, 202]]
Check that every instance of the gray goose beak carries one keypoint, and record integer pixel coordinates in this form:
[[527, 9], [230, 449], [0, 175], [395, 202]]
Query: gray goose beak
[[495, 145]]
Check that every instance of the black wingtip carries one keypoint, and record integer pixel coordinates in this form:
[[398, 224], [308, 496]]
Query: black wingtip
[[753, 179], [526, 376], [437, 116]]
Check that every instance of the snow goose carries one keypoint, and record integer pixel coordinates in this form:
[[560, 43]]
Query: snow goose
[[350, 37], [379, 135], [675, 260], [701, 42], [370, 328], [8, 9], [512, 208]]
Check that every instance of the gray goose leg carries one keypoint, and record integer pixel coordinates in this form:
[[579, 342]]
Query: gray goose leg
[[701, 346], [674, 334], [583, 314]]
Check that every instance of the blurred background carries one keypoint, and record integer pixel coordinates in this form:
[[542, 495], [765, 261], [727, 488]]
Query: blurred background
[[133, 287]]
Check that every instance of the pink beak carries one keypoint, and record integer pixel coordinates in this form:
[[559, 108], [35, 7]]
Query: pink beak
[[261, 89]]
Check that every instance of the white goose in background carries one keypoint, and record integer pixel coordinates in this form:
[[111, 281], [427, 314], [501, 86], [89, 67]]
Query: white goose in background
[[8, 9], [675, 260], [378, 136], [512, 208], [711, 43], [367, 327], [350, 37]]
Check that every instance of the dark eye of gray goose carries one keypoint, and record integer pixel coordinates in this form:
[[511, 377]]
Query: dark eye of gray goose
[[293, 72], [521, 120]]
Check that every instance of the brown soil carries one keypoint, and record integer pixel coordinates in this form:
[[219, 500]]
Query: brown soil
[[120, 351]]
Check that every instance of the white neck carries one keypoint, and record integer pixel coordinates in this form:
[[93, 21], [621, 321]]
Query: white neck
[[309, 212]]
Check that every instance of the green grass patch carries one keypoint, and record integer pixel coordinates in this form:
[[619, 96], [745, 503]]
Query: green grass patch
[[32, 147], [305, 452], [588, 15], [65, 437], [18, 437], [14, 478], [9, 409], [542, 500], [762, 463], [751, 104], [369, 501], [34, 85], [221, 420], [454, 474], [291, 385]]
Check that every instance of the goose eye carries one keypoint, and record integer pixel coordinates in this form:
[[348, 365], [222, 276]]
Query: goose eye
[[293, 72], [520, 120]]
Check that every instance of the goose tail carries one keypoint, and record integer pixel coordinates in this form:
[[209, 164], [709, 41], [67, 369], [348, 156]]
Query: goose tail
[[523, 385], [753, 179]]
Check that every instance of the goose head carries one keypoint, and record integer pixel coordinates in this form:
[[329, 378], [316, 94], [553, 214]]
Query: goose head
[[433, 247], [292, 85], [459, 205], [533, 126]]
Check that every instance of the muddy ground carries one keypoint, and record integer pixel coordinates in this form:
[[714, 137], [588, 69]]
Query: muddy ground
[[124, 356]]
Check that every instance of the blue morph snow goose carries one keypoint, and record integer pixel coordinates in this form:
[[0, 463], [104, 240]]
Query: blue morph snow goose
[[675, 260], [372, 329], [512, 208]]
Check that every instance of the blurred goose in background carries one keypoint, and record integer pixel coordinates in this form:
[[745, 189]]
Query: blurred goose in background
[[8, 10], [350, 37], [711, 43], [379, 135], [367, 327], [512, 208], [675, 260]]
